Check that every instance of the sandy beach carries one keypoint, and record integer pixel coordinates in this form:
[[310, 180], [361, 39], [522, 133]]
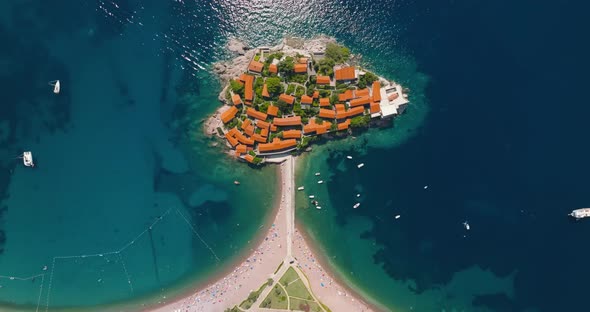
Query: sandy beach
[[281, 242]]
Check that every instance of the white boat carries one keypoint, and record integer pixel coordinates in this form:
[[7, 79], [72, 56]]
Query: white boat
[[349, 157], [317, 174], [397, 216], [311, 196], [360, 165], [56, 86], [425, 186], [356, 205], [318, 207], [28, 159], [320, 181], [466, 225], [358, 195], [301, 188], [580, 213], [236, 182]]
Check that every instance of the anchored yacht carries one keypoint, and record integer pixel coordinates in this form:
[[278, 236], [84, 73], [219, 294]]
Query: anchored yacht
[[28, 159], [580, 213]]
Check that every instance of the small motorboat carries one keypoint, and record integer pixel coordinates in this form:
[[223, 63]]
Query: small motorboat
[[28, 159], [466, 225], [349, 157], [425, 186], [358, 195], [312, 196], [301, 188], [320, 181], [317, 174], [318, 207], [397, 216], [315, 202], [360, 165], [56, 86], [356, 205], [236, 182]]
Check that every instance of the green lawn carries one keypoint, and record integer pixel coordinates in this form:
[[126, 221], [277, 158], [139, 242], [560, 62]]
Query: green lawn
[[298, 289], [288, 277], [246, 304], [276, 299], [302, 305]]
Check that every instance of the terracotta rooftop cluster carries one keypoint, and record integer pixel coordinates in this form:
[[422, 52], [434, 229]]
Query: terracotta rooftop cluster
[[254, 135]]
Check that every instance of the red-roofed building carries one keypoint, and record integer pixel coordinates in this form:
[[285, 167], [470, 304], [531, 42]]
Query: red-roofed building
[[256, 114], [264, 132], [316, 94], [259, 138], [262, 124], [229, 114], [306, 101], [276, 145], [312, 126], [376, 91], [249, 158], [240, 149], [323, 80], [343, 97], [265, 91], [355, 111], [246, 124], [291, 134], [289, 99], [327, 113], [303, 60], [344, 125], [273, 69], [345, 74], [324, 102], [248, 88], [273, 110], [255, 67], [375, 107], [361, 92], [365, 100], [300, 68], [288, 121], [236, 100]]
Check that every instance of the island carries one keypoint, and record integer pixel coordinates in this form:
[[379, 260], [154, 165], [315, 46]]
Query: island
[[277, 100]]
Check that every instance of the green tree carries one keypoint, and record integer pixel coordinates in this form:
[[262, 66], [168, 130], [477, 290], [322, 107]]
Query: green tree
[[274, 85], [360, 121], [237, 87], [338, 53], [287, 65]]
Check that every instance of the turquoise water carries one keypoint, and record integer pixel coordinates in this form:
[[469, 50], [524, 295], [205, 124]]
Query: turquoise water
[[120, 150]]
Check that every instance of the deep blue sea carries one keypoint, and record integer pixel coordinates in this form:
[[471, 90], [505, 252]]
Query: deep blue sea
[[130, 202]]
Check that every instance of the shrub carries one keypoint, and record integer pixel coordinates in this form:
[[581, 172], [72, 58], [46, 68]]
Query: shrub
[[290, 89], [274, 85], [336, 52], [237, 87]]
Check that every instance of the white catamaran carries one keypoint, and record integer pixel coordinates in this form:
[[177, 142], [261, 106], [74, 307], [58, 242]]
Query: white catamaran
[[56, 86]]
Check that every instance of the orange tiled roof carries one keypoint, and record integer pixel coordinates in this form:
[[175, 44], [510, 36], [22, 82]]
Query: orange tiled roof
[[343, 97], [231, 139], [346, 73], [244, 139], [256, 114], [249, 130], [324, 102], [236, 100], [344, 125], [259, 138], [273, 110], [360, 101], [322, 80], [255, 66], [265, 91], [292, 134], [229, 114], [264, 132], [355, 111], [288, 121], [249, 158], [375, 107], [289, 99], [276, 145], [241, 149], [361, 92], [246, 124], [262, 124], [273, 127], [340, 107], [316, 94], [312, 126], [327, 113], [376, 91], [306, 99], [248, 85], [300, 68], [303, 60], [273, 68]]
